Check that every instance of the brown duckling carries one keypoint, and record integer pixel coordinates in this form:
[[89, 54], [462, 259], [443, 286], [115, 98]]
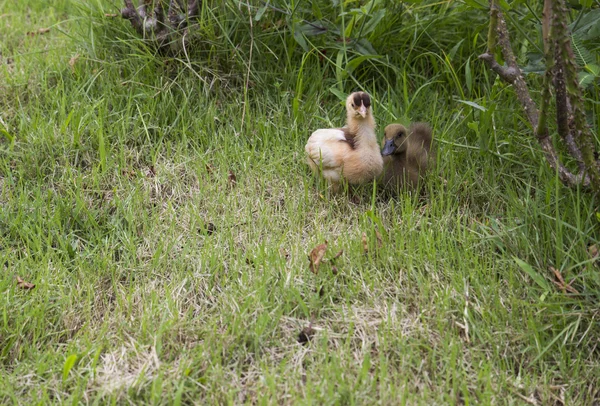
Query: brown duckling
[[406, 155]]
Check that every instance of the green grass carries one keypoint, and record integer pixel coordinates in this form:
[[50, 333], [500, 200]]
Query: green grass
[[112, 170]]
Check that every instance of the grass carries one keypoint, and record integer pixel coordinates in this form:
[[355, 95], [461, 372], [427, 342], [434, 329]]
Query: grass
[[158, 280]]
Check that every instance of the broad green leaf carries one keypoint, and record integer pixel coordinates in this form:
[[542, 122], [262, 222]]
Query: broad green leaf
[[300, 39], [311, 29], [338, 93], [473, 125], [356, 62], [69, 363], [261, 11], [373, 22], [363, 46], [537, 278]]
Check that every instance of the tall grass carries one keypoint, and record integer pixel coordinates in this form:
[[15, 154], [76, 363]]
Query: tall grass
[[158, 280]]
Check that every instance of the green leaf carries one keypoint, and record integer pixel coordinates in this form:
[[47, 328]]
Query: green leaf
[[373, 22], [537, 278], [8, 135], [300, 39], [476, 4], [473, 125], [356, 62], [468, 78], [472, 104], [312, 29], [340, 72], [363, 46], [69, 363], [585, 79], [454, 49], [535, 64], [338, 93], [261, 11]]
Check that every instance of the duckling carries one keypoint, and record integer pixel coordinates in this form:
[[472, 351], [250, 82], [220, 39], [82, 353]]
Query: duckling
[[406, 155], [351, 152]]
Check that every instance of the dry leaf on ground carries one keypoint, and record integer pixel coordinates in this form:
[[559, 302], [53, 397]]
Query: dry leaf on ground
[[306, 334], [316, 256], [23, 284], [232, 179], [111, 15], [560, 282], [365, 244], [339, 254], [38, 32], [379, 238], [73, 61], [593, 251]]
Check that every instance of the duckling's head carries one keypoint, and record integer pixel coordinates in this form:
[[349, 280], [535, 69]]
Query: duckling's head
[[394, 141], [358, 105]]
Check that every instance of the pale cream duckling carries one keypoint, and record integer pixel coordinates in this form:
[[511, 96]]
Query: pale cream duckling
[[351, 152], [406, 155]]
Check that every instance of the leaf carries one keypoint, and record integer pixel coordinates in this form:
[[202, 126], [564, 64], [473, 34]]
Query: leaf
[[365, 244], [539, 279], [535, 64], [339, 254], [73, 61], [454, 49], [560, 282], [365, 47], [311, 29], [69, 363], [40, 31], [587, 28], [593, 251], [23, 284], [231, 178], [300, 39], [472, 104], [261, 11], [476, 4], [585, 79], [339, 94], [356, 62], [306, 334], [379, 238], [373, 22], [316, 256], [111, 15], [468, 78]]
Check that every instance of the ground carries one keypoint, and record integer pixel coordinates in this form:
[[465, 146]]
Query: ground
[[167, 235]]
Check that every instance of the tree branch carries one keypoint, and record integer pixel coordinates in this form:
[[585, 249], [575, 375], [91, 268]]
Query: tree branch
[[511, 73]]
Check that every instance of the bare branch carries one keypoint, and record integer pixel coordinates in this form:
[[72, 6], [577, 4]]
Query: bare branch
[[511, 73]]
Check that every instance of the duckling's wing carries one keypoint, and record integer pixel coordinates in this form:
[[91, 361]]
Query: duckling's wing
[[323, 147]]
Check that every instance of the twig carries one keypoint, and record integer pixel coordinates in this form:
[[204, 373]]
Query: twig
[[249, 68]]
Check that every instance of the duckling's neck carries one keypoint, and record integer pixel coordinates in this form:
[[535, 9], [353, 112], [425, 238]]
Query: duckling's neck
[[363, 130]]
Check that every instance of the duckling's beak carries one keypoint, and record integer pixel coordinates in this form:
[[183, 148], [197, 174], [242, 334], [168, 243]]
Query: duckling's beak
[[362, 111], [388, 148]]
